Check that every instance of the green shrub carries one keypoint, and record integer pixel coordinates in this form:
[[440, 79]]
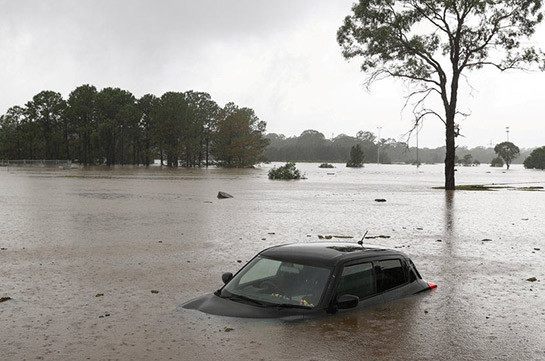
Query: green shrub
[[497, 162], [285, 172], [356, 157], [536, 159], [326, 165]]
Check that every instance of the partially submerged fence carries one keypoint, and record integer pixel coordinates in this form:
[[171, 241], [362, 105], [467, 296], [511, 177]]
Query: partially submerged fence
[[40, 163]]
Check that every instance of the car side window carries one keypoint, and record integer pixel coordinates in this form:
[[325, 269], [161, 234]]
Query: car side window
[[357, 280], [392, 274]]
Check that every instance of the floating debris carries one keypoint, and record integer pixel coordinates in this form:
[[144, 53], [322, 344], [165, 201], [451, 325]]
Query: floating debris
[[223, 195], [228, 329], [343, 237], [154, 291], [324, 237], [486, 240], [271, 233], [99, 295], [4, 299], [380, 200], [531, 279]]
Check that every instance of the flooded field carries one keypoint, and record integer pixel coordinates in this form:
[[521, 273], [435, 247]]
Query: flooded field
[[82, 251]]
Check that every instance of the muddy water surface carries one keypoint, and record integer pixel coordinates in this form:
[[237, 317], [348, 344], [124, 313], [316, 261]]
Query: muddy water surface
[[83, 249]]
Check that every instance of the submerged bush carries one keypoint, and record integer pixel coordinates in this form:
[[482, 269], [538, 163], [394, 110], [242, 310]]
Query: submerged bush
[[326, 165], [497, 162], [285, 172], [536, 159]]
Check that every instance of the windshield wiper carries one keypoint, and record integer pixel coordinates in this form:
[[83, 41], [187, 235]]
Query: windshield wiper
[[289, 305], [235, 297]]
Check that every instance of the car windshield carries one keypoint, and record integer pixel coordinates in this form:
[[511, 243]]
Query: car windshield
[[272, 282]]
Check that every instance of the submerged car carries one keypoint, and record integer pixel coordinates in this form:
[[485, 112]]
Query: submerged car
[[310, 279]]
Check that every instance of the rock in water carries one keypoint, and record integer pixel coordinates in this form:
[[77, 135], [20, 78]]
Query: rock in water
[[223, 195]]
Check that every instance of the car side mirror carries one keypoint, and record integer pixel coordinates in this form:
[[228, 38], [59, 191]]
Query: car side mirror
[[226, 277], [347, 301]]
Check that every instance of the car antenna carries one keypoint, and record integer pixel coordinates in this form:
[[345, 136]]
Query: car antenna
[[360, 242]]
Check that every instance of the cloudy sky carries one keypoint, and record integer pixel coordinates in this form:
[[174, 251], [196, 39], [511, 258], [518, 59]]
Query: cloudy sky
[[277, 57]]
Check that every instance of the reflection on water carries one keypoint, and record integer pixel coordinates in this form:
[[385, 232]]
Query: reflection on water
[[84, 249], [449, 221]]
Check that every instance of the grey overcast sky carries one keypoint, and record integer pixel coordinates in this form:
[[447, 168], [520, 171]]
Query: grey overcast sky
[[278, 57]]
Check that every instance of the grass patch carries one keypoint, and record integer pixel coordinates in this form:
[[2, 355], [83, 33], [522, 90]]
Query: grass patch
[[475, 187], [530, 189], [480, 187]]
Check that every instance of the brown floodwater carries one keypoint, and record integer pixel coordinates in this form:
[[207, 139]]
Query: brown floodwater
[[68, 236]]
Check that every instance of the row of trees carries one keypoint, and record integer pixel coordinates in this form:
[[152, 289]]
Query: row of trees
[[112, 126], [312, 146]]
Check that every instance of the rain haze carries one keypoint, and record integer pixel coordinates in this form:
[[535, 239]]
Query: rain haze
[[179, 227], [280, 58]]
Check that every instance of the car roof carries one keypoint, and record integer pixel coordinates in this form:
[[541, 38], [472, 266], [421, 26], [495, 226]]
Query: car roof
[[326, 254]]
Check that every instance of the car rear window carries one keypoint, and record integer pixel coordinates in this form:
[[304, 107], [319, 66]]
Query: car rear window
[[393, 274], [414, 272], [357, 280]]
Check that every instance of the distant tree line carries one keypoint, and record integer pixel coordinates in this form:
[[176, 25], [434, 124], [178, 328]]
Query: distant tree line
[[312, 146], [112, 126]]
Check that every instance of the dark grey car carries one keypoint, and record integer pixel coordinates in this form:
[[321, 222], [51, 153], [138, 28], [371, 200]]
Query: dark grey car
[[311, 279]]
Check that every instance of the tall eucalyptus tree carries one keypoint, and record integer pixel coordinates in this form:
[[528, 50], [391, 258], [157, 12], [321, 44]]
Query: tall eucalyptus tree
[[432, 43]]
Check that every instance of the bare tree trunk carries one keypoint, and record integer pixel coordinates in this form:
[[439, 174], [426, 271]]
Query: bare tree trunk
[[207, 152], [161, 153], [450, 154]]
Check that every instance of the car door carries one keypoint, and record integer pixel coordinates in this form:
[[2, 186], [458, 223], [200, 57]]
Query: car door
[[359, 279]]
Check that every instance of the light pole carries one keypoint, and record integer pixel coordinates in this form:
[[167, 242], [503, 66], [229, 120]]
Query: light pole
[[378, 145], [507, 131]]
